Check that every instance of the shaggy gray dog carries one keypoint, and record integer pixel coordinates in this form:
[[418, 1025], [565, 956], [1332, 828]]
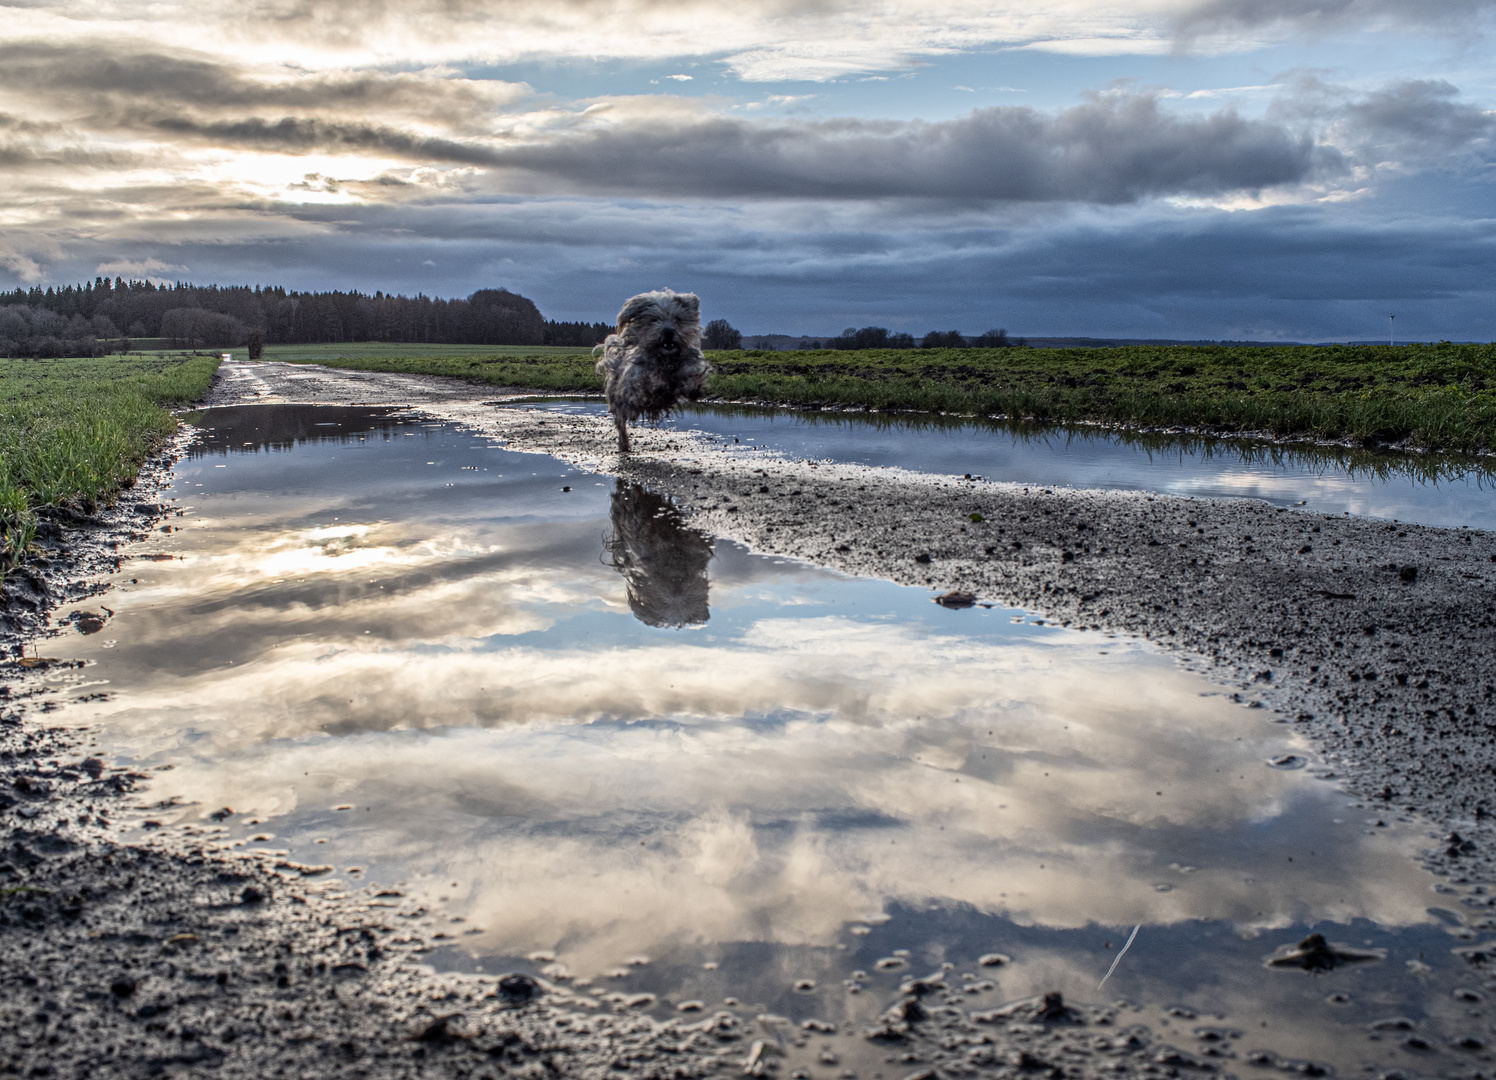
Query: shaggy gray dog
[[653, 360]]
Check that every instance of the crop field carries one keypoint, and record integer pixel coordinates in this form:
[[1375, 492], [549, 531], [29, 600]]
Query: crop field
[[75, 431], [1431, 397]]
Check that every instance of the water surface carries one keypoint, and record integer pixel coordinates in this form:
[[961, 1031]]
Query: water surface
[[1430, 489]]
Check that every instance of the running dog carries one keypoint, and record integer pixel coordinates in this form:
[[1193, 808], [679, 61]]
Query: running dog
[[653, 360]]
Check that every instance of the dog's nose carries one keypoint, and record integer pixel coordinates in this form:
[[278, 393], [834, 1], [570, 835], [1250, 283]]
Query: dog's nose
[[667, 336]]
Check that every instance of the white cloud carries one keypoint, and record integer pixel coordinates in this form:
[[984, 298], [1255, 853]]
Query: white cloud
[[766, 40], [141, 269], [1225, 91], [23, 266]]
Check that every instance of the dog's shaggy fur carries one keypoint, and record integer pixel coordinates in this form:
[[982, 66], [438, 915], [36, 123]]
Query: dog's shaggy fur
[[653, 360]]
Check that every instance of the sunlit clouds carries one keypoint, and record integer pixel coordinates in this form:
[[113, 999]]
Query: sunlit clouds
[[212, 138]]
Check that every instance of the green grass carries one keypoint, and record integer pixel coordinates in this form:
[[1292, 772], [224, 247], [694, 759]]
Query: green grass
[[1435, 397], [75, 431]]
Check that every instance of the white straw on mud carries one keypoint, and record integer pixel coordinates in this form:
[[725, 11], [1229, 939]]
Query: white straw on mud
[[1120, 955]]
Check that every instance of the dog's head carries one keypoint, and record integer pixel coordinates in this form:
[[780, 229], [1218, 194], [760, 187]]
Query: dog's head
[[664, 323]]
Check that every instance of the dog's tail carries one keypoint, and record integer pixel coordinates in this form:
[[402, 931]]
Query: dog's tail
[[607, 353], [609, 359]]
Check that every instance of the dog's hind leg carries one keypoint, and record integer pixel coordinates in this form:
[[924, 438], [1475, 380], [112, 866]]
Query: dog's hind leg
[[623, 432]]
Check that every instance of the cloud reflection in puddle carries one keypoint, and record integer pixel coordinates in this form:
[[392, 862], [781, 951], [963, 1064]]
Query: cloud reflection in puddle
[[508, 699]]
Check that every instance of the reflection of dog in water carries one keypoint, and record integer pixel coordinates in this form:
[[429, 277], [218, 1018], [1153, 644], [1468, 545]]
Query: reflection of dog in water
[[662, 561], [653, 360]]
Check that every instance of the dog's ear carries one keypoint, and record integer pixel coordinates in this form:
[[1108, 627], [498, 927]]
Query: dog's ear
[[633, 307], [691, 300]]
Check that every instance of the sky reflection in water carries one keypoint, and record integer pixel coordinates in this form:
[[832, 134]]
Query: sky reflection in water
[[598, 734], [1431, 490]]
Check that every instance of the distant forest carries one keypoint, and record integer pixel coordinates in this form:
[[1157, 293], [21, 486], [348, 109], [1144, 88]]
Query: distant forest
[[107, 316], [102, 316]]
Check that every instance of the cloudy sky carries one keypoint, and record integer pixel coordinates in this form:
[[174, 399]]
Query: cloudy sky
[[1274, 169]]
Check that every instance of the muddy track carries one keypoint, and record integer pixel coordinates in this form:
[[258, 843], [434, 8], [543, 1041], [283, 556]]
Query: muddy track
[[172, 958]]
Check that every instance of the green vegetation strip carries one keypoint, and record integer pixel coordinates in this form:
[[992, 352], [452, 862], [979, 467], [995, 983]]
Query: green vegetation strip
[[75, 432], [1433, 397]]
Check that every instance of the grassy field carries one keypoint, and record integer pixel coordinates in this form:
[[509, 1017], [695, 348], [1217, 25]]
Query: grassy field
[[76, 431], [1438, 397]]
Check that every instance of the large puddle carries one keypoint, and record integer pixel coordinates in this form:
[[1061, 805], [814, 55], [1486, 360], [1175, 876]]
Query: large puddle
[[1432, 489], [568, 735]]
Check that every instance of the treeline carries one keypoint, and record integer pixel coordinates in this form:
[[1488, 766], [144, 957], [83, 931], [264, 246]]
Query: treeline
[[878, 337], [107, 315], [103, 316]]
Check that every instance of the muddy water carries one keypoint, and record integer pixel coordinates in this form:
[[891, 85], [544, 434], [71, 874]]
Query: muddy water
[[561, 732], [1430, 490]]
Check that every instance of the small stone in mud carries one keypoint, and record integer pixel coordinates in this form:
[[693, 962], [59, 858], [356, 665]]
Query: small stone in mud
[[437, 1030], [252, 895], [956, 599], [1457, 845], [94, 767], [87, 622], [1053, 1008], [1408, 573], [518, 988], [122, 987], [923, 557], [921, 987], [994, 959], [1314, 953]]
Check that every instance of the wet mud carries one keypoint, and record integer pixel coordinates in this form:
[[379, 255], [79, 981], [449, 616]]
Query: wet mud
[[163, 956]]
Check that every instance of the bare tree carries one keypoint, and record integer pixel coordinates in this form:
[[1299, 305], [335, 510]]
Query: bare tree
[[719, 334]]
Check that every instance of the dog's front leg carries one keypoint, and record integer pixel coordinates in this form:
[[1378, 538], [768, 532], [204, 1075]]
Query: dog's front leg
[[623, 432]]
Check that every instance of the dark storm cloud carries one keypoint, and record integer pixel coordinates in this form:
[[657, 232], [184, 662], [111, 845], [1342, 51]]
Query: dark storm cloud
[[108, 83], [1420, 116], [1324, 14], [1111, 149], [1303, 273], [305, 135], [38, 144]]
